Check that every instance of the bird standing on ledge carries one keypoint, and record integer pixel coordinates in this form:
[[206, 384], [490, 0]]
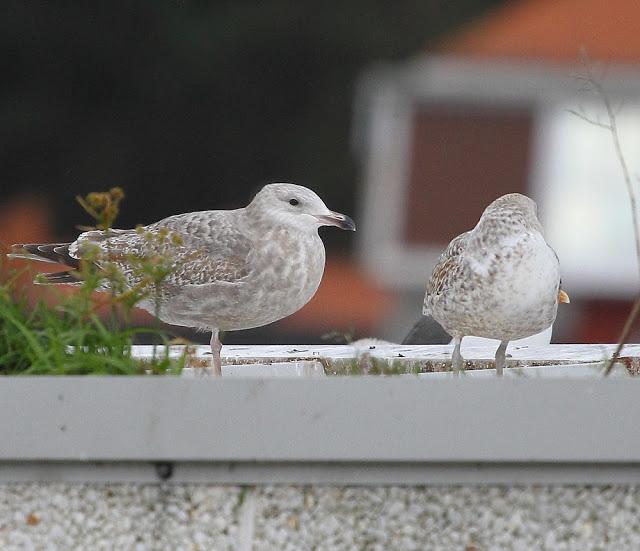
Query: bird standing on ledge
[[234, 269], [499, 281]]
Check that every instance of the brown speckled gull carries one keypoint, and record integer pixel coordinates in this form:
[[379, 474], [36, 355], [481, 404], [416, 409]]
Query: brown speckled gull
[[234, 269], [500, 280]]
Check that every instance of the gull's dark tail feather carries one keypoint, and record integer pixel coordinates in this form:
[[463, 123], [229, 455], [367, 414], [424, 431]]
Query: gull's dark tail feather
[[56, 253], [55, 278], [427, 331]]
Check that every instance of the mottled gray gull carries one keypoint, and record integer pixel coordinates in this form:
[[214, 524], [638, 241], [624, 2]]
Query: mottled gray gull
[[500, 280], [234, 269]]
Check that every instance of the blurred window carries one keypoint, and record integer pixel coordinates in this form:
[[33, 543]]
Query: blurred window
[[583, 200]]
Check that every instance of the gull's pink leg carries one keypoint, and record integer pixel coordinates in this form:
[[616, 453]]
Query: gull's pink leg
[[457, 361], [216, 347], [501, 358]]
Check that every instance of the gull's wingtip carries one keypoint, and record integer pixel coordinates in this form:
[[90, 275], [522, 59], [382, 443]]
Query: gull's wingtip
[[26, 251]]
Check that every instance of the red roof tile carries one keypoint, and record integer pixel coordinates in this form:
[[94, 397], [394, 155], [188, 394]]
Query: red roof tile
[[553, 30]]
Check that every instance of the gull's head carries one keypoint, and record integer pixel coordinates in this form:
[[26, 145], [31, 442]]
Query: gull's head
[[516, 207], [296, 206]]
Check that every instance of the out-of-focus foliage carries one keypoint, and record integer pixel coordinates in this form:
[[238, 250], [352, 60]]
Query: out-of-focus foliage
[[70, 339]]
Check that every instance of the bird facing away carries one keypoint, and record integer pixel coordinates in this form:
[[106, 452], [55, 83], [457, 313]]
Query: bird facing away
[[499, 281], [234, 269]]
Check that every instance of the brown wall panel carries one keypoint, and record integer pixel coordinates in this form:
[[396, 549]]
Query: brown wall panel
[[463, 157]]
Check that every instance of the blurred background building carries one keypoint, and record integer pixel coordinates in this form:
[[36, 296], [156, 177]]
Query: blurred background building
[[486, 112], [411, 116]]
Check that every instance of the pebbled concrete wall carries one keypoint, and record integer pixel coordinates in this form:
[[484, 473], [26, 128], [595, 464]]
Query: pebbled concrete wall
[[201, 517]]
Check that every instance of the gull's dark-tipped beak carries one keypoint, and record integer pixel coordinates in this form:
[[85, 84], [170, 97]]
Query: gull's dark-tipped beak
[[341, 221]]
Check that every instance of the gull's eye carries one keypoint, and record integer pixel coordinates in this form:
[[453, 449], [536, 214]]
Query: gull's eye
[[294, 202]]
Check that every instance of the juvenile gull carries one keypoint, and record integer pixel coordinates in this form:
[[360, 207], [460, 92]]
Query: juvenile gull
[[499, 281], [234, 269]]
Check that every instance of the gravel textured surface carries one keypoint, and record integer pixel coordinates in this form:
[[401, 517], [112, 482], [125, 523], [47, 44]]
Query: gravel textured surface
[[198, 517]]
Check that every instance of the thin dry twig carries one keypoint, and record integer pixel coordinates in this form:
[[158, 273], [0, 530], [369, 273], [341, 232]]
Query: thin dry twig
[[594, 84], [633, 315], [586, 118]]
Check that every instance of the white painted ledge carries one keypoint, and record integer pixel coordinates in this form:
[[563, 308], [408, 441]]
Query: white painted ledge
[[587, 370], [556, 353], [425, 429], [293, 369], [424, 358]]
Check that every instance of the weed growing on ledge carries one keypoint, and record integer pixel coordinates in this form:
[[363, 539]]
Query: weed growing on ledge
[[71, 338]]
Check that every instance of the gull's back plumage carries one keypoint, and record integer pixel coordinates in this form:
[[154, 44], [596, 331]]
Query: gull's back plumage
[[500, 280]]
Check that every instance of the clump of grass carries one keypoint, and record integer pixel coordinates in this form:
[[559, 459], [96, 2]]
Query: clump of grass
[[365, 364], [71, 338]]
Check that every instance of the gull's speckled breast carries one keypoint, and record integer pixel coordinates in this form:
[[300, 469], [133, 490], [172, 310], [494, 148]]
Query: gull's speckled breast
[[284, 270]]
